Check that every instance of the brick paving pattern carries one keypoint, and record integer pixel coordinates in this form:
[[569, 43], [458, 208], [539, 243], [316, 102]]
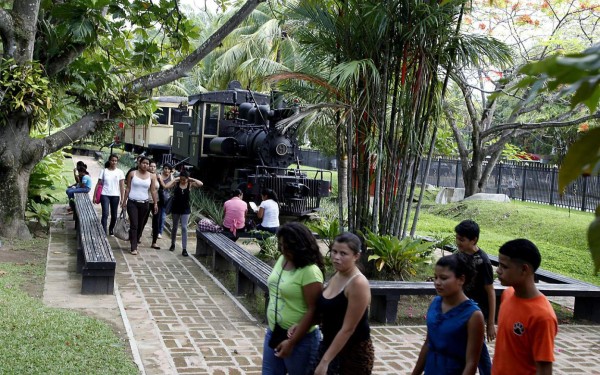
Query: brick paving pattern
[[181, 321]]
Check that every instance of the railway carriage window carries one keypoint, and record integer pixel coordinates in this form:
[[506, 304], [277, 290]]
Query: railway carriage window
[[162, 115], [177, 115], [213, 117]]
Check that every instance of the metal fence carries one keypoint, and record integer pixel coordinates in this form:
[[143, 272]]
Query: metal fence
[[533, 182]]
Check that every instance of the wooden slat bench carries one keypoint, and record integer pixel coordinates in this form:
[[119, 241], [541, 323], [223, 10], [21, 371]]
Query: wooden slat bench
[[95, 259], [546, 276], [226, 254], [385, 296]]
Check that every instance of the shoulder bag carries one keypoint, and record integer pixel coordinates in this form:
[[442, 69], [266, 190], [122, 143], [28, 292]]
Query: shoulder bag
[[121, 229], [279, 334], [98, 190]]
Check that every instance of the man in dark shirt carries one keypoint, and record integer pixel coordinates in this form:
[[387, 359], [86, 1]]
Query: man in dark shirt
[[481, 289]]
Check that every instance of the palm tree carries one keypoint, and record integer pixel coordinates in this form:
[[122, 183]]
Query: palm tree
[[384, 63]]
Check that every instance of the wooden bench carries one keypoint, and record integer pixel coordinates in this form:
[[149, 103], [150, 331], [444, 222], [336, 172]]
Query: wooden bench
[[385, 296], [226, 254], [546, 276], [95, 259]]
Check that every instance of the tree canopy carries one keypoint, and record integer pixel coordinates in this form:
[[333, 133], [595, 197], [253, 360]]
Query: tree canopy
[[100, 59]]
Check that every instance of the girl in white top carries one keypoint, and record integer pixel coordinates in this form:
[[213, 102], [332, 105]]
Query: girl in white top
[[268, 211], [136, 200], [113, 189]]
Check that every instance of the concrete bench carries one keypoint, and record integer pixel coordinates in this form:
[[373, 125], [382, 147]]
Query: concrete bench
[[95, 259], [385, 296]]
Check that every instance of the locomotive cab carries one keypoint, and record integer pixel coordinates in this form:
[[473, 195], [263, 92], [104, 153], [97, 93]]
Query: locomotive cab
[[232, 139]]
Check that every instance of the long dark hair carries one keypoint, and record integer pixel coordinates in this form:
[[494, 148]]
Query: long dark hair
[[300, 242], [461, 265], [270, 194]]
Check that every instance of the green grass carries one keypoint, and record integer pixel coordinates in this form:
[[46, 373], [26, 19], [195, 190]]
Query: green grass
[[560, 234], [40, 340]]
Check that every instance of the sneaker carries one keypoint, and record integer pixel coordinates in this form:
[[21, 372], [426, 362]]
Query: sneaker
[[184, 253], [112, 234], [159, 235], [172, 248]]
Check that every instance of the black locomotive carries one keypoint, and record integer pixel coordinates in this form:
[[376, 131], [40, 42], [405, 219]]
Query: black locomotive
[[232, 140]]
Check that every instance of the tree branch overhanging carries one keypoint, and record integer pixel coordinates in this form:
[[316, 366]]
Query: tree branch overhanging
[[157, 79], [77, 130], [65, 59], [538, 125]]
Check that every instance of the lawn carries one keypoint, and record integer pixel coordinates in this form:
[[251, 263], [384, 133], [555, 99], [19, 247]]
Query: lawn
[[559, 233], [41, 340]]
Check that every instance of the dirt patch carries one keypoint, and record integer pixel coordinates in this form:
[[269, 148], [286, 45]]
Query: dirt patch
[[30, 257]]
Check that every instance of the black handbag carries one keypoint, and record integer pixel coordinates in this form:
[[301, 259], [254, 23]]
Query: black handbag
[[279, 333], [277, 336]]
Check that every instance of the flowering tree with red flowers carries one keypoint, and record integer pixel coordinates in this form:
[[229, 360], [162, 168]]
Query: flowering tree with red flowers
[[486, 95]]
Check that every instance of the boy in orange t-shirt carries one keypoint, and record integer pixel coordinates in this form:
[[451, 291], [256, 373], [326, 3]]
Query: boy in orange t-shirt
[[527, 324]]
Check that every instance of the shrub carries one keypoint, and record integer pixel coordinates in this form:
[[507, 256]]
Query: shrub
[[399, 258], [267, 242], [326, 230], [203, 204], [41, 194]]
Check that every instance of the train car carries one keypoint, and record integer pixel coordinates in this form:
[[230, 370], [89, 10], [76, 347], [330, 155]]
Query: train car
[[155, 136], [232, 141]]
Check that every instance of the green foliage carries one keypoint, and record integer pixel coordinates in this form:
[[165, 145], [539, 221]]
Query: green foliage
[[576, 74], [583, 158], [37, 339], [400, 258], [39, 212], [325, 229], [24, 88], [46, 175], [203, 204], [268, 244]]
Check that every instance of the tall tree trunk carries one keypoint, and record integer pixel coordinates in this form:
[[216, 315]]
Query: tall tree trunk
[[15, 169], [18, 152]]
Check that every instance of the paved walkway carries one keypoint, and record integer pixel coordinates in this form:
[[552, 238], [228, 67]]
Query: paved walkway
[[178, 319]]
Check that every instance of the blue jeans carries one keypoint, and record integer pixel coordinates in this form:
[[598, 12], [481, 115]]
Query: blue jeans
[[485, 362], [184, 229], [300, 362], [162, 217], [71, 194], [107, 201]]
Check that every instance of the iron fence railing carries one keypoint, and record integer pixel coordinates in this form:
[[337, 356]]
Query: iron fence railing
[[533, 182]]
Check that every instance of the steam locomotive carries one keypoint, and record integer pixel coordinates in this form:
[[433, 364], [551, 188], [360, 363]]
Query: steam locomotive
[[231, 140]]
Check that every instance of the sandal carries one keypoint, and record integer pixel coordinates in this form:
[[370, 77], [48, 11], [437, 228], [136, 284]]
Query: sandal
[[134, 252], [155, 247]]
